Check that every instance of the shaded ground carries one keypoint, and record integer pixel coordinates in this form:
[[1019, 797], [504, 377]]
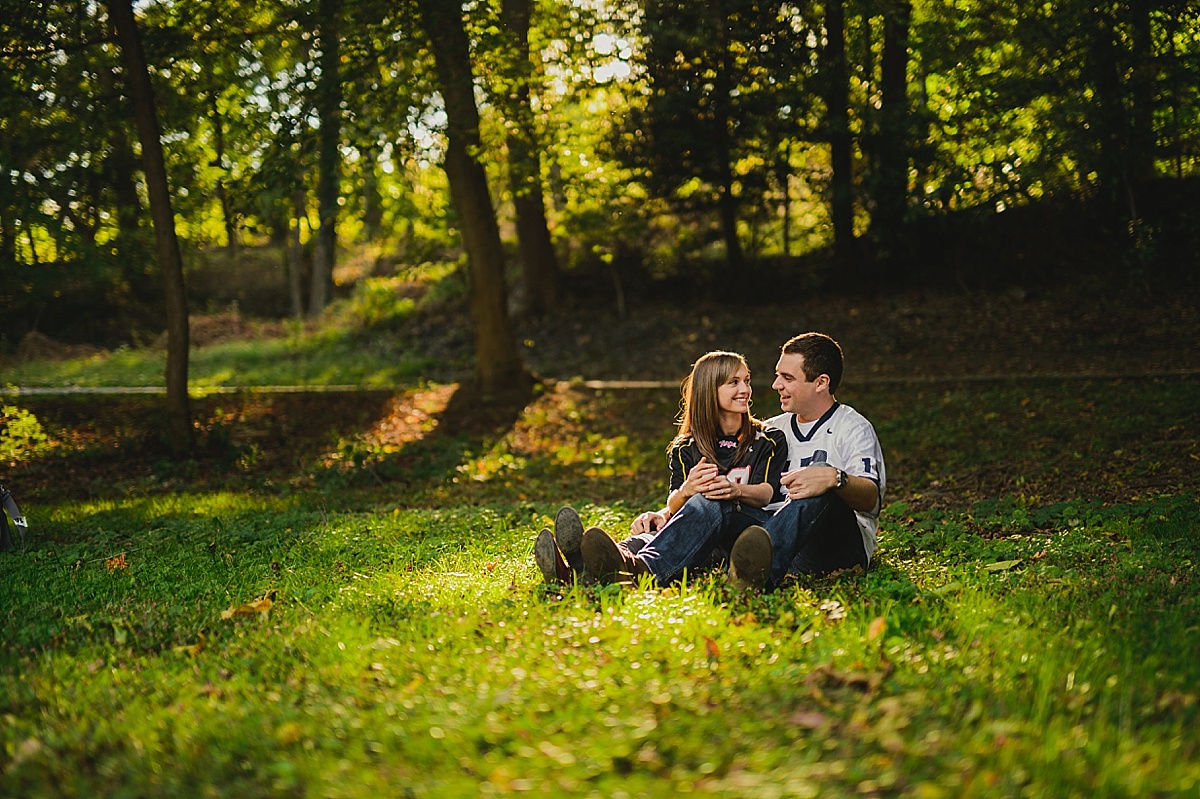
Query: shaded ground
[[911, 334], [416, 444]]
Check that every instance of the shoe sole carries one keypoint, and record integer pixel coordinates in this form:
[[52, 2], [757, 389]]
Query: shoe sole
[[546, 556], [601, 557], [568, 533], [750, 558]]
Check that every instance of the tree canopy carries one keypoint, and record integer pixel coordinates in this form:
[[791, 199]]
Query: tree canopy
[[662, 135]]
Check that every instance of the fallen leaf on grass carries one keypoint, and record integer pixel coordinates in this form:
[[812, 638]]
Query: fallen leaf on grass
[[190, 649], [260, 605], [809, 719], [826, 675], [289, 733], [28, 748], [116, 563], [711, 649], [876, 628]]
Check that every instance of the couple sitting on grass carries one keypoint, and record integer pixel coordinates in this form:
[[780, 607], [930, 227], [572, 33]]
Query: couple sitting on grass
[[797, 494]]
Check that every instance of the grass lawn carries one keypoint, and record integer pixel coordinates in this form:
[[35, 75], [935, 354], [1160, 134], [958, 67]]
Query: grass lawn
[[364, 619]]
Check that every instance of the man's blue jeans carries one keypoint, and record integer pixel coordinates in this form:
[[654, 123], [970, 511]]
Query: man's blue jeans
[[688, 540], [816, 535]]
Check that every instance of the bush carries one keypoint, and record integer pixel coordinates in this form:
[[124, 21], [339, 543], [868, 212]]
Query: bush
[[21, 434]]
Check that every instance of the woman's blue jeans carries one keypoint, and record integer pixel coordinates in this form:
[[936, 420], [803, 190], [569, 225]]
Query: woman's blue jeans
[[689, 539]]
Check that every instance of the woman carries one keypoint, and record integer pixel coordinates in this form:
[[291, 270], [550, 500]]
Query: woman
[[724, 469]]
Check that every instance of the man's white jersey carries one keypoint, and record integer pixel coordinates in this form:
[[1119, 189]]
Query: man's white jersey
[[844, 439]]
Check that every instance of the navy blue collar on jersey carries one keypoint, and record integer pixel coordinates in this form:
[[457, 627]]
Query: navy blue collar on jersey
[[805, 437]]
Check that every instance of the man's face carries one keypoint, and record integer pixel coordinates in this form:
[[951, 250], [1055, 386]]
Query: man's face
[[796, 394]]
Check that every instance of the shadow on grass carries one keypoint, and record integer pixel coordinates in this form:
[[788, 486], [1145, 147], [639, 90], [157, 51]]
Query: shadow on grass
[[113, 446], [424, 434]]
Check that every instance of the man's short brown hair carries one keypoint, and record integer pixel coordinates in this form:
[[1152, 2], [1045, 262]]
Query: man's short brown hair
[[822, 356]]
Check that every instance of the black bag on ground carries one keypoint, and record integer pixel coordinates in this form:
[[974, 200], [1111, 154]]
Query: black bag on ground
[[8, 508]]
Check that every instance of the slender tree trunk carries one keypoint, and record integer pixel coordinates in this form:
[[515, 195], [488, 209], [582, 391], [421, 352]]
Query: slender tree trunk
[[218, 124], [295, 257], [329, 100], [33, 253], [1176, 95], [8, 238], [783, 176], [837, 105], [169, 259], [498, 359], [539, 262], [727, 201], [372, 204], [1110, 120], [892, 182], [1141, 93], [727, 210], [119, 166]]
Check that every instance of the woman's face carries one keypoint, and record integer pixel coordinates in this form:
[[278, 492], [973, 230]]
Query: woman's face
[[733, 396]]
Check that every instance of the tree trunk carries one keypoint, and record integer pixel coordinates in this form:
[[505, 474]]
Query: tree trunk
[[1110, 120], [8, 238], [1141, 94], [837, 109], [727, 201], [169, 259], [295, 254], [372, 211], [119, 167], [218, 124], [892, 182], [783, 176], [329, 100], [498, 360], [727, 210], [539, 262]]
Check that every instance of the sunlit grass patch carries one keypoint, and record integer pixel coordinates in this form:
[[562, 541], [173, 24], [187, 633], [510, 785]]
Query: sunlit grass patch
[[1014, 637]]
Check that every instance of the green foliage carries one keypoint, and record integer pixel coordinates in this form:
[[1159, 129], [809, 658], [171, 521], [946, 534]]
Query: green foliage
[[665, 139], [21, 434]]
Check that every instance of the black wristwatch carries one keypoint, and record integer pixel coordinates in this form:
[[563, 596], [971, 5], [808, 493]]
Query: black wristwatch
[[843, 479]]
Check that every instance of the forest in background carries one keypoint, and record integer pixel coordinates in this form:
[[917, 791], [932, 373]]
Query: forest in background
[[530, 148]]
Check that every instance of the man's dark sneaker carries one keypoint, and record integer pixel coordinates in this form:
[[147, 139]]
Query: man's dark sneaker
[[568, 533], [606, 560], [550, 560], [750, 558]]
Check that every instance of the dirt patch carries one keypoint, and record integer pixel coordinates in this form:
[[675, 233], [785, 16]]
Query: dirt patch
[[37, 347]]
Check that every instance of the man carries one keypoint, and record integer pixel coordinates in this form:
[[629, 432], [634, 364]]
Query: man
[[834, 489], [836, 478]]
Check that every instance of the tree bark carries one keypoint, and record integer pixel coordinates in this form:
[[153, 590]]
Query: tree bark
[[218, 124], [329, 101], [120, 165], [498, 360], [728, 204], [372, 203], [295, 253], [1141, 94], [539, 262], [837, 109], [167, 245], [892, 183]]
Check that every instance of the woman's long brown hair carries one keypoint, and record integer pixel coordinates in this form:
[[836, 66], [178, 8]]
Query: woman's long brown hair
[[700, 412]]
